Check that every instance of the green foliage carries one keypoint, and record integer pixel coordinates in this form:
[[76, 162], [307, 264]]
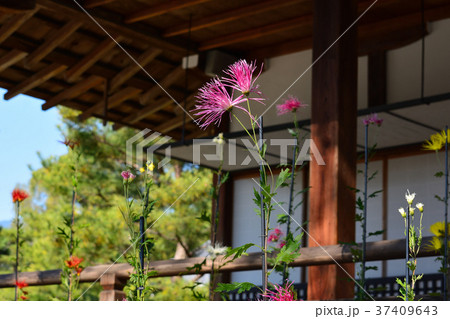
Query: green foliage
[[239, 286], [102, 233]]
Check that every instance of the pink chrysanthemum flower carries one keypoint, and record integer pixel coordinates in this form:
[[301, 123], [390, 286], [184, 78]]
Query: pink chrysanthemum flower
[[373, 119], [127, 175], [241, 78], [292, 104], [213, 101], [281, 293], [274, 236]]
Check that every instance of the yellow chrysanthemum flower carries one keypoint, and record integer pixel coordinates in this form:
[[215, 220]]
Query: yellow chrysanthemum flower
[[436, 244], [444, 136], [438, 229], [435, 143], [151, 166], [142, 170]]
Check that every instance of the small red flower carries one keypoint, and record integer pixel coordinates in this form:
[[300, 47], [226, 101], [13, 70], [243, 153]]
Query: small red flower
[[23, 297], [79, 270], [21, 284], [74, 262], [19, 195]]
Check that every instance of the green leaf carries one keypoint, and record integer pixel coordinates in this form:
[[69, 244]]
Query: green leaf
[[375, 233], [238, 251], [439, 174], [282, 177], [204, 216], [240, 286], [225, 177], [374, 194]]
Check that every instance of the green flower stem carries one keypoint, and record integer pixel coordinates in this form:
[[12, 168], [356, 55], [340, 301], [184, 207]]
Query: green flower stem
[[16, 265]]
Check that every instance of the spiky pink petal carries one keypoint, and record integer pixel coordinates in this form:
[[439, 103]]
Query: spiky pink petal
[[213, 101], [241, 77]]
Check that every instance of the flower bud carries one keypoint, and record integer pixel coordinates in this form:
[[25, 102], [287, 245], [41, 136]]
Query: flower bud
[[402, 212], [420, 207], [410, 197]]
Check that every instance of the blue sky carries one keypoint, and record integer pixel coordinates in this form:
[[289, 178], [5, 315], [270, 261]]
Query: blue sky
[[24, 130]]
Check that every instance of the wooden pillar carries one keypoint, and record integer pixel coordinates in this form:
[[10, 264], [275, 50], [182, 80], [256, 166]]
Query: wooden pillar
[[112, 288], [333, 129]]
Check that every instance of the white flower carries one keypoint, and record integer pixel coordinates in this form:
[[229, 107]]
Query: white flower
[[419, 207], [410, 197], [402, 212], [219, 139], [215, 251], [411, 211]]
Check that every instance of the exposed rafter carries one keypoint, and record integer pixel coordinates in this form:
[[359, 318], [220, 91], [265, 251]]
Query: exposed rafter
[[35, 80], [254, 33], [152, 108], [144, 59], [90, 59], [159, 9], [171, 78], [14, 23], [74, 91], [113, 23], [89, 4], [11, 58], [52, 42], [229, 16], [113, 101]]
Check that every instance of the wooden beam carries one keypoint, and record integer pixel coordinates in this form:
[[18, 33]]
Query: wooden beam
[[172, 124], [89, 4], [73, 74], [150, 109], [393, 39], [255, 33], [64, 57], [74, 91], [11, 58], [52, 42], [35, 80], [112, 288], [160, 9], [229, 16], [14, 23], [144, 59], [333, 130], [113, 22], [171, 78], [113, 101], [380, 250]]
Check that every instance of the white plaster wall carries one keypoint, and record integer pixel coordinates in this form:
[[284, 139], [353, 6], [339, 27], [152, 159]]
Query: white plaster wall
[[404, 66]]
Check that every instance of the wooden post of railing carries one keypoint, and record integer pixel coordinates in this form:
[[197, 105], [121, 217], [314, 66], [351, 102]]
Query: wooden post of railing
[[112, 288]]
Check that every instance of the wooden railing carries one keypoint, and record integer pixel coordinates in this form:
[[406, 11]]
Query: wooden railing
[[113, 277]]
